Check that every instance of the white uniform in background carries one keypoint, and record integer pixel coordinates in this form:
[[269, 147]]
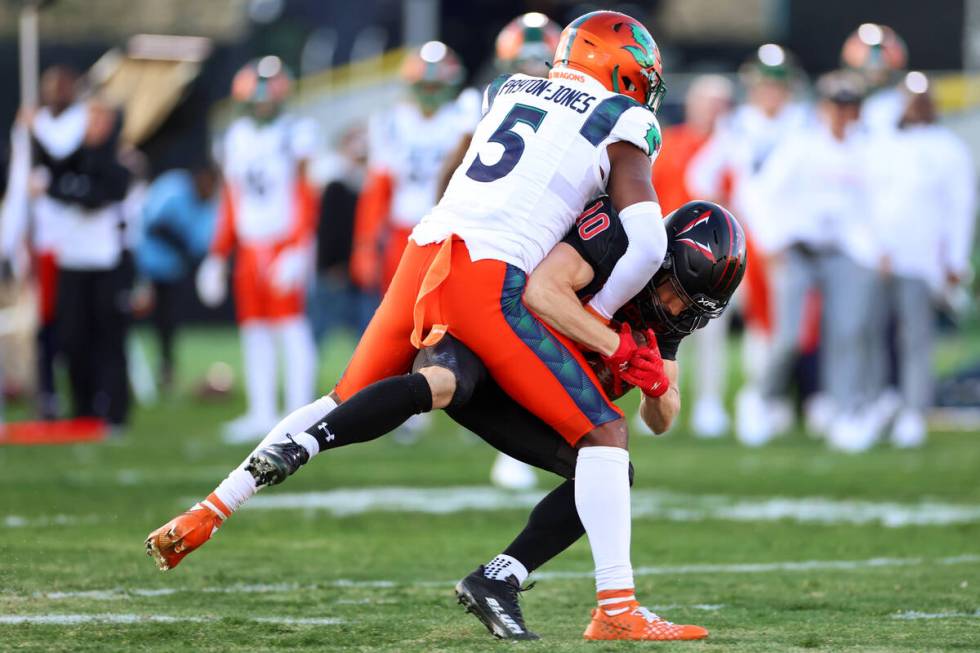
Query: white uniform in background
[[412, 147], [927, 211], [738, 149], [268, 216], [821, 224]]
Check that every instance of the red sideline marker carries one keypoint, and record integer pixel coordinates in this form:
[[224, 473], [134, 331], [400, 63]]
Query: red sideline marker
[[62, 431]]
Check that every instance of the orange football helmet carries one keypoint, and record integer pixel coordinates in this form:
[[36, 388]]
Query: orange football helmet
[[617, 50], [527, 44], [875, 50], [262, 80]]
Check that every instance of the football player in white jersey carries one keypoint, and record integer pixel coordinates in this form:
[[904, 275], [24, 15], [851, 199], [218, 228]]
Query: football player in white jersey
[[406, 147], [268, 214], [543, 148]]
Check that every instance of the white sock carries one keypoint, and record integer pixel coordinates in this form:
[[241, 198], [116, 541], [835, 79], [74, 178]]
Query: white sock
[[239, 486], [503, 566], [602, 498], [299, 360], [259, 361]]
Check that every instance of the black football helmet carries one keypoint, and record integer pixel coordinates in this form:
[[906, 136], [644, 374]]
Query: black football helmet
[[704, 264]]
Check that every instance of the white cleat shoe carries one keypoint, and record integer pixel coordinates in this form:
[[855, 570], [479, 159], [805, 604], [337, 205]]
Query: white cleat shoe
[[818, 415], [910, 430], [753, 427], [247, 429], [854, 433], [709, 419], [512, 474]]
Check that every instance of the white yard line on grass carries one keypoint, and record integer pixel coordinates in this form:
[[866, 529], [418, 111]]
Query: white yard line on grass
[[651, 504], [19, 521], [114, 618], [915, 614], [666, 570]]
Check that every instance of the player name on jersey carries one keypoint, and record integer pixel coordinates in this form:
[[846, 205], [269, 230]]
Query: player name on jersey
[[575, 99]]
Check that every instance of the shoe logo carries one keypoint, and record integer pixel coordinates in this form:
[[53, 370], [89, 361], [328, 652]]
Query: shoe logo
[[328, 436], [507, 620]]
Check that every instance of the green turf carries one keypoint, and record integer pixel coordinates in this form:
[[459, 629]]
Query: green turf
[[114, 493]]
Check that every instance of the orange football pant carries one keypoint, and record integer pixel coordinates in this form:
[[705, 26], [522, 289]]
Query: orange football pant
[[438, 289]]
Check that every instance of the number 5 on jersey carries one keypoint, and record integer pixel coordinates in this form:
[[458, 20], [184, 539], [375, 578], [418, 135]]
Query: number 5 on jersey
[[510, 139]]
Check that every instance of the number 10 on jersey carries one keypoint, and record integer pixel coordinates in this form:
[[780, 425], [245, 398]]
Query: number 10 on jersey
[[510, 139]]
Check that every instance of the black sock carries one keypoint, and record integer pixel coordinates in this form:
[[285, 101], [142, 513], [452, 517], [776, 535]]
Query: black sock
[[374, 411], [552, 527]]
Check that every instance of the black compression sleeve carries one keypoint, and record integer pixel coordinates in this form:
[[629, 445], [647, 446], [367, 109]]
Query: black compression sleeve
[[374, 411], [552, 527]]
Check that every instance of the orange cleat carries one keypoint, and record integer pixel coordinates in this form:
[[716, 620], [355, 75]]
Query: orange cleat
[[634, 622], [169, 544]]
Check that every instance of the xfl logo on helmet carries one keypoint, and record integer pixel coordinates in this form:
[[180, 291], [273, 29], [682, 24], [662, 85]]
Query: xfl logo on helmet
[[706, 302]]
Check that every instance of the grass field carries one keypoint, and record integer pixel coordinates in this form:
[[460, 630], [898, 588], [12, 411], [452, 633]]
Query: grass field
[[783, 549]]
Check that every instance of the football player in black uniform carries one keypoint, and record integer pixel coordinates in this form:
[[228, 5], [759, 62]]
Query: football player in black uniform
[[704, 264]]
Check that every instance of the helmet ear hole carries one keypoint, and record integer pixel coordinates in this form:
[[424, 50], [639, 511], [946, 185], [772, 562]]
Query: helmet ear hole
[[628, 84]]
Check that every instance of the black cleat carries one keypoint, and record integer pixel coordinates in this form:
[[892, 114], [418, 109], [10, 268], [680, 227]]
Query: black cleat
[[494, 603], [272, 464]]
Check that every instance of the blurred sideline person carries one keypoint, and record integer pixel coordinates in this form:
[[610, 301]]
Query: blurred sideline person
[[77, 188], [730, 163], [822, 236], [526, 45], [178, 219], [334, 302], [927, 218], [267, 214], [406, 147], [708, 99], [880, 56], [592, 128]]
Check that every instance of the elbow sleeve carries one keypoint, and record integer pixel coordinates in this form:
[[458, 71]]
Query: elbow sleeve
[[644, 255]]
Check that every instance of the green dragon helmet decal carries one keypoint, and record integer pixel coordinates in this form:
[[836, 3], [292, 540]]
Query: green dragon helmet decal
[[647, 54]]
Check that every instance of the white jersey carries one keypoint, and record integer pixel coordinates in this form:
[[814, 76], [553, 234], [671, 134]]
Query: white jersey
[[412, 147], [260, 164], [537, 156]]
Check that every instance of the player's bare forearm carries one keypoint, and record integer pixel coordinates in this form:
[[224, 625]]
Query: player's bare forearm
[[660, 412], [561, 309], [551, 294]]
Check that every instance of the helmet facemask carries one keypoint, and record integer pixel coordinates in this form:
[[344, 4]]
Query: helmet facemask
[[699, 308]]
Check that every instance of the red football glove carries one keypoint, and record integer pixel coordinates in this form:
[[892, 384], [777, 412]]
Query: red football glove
[[638, 365]]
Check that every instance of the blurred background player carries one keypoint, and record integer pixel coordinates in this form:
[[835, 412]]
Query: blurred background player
[[407, 146], [729, 165], [179, 212], [880, 56], [267, 215], [826, 242], [927, 213], [708, 99]]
